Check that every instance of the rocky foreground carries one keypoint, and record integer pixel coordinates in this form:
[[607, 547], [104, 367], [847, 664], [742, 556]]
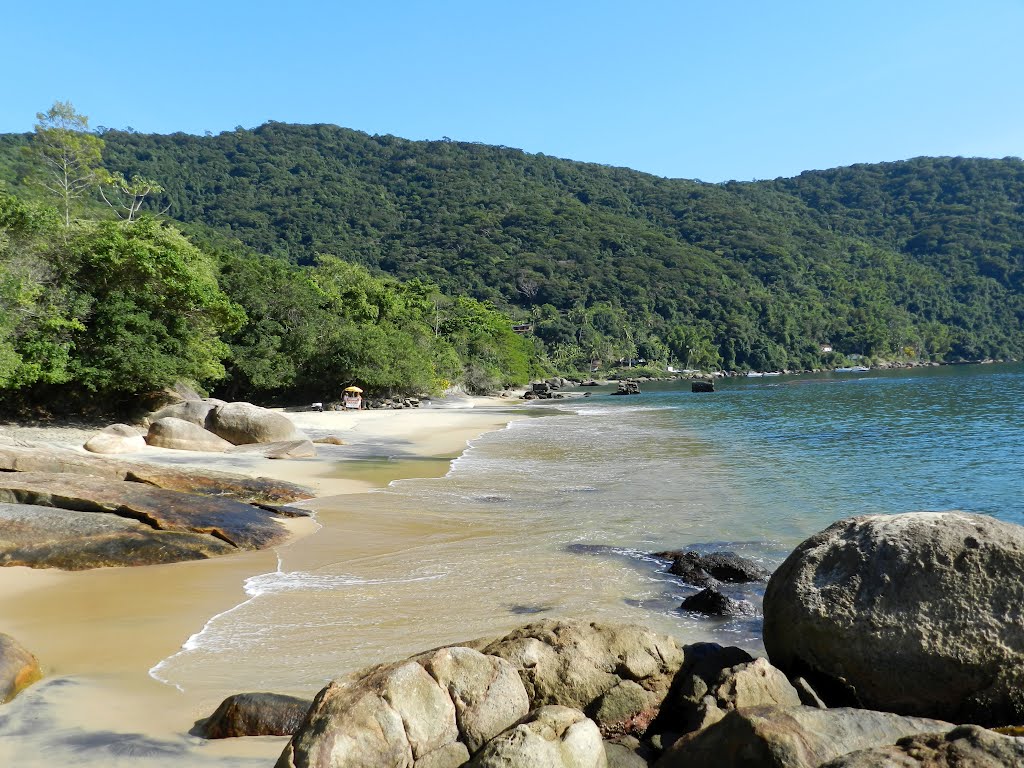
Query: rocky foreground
[[892, 641]]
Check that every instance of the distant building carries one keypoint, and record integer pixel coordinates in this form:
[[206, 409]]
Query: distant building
[[826, 348], [522, 327]]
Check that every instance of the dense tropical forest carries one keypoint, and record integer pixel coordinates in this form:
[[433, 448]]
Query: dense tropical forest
[[265, 262]]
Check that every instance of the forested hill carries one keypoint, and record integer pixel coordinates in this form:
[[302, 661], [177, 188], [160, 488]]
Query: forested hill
[[917, 259]]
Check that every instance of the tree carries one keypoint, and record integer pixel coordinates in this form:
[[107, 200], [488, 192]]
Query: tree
[[126, 196], [67, 156]]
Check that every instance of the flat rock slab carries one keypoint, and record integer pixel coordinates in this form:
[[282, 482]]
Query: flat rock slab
[[241, 525], [46, 537], [40, 457]]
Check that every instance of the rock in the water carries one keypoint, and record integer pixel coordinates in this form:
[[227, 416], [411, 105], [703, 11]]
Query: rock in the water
[[18, 668], [289, 449], [47, 537], [194, 411], [695, 568], [711, 602], [241, 525], [914, 613], [255, 714], [117, 438], [330, 440], [576, 664], [243, 423], [181, 435], [796, 737], [966, 746], [552, 737]]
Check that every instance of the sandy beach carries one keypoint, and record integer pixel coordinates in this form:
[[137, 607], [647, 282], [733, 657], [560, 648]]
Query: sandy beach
[[98, 634]]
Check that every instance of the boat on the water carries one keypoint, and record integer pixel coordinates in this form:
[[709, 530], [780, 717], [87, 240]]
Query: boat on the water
[[852, 369]]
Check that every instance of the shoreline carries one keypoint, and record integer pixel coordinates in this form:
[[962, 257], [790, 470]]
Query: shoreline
[[104, 632]]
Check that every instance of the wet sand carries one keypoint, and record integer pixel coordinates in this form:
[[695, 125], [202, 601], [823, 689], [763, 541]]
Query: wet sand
[[99, 633]]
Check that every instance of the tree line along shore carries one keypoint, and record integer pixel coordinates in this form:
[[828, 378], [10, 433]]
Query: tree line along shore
[[274, 263]]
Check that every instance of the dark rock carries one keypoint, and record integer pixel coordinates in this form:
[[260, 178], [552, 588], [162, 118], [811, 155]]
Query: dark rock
[[255, 714], [711, 602], [724, 566], [914, 613], [18, 668], [966, 746], [241, 525], [796, 737]]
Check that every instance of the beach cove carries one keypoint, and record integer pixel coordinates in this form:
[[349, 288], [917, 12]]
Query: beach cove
[[101, 634], [551, 517]]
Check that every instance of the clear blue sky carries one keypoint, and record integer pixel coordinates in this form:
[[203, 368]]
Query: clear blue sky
[[715, 90]]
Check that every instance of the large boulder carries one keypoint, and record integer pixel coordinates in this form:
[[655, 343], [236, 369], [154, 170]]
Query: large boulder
[[795, 737], [243, 423], [181, 435], [255, 714], [914, 613], [117, 438], [432, 710], [194, 411], [617, 674], [551, 737], [18, 668], [966, 746], [48, 537]]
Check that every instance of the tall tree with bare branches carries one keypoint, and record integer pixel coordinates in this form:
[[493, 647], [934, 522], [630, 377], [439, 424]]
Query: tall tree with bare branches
[[67, 156]]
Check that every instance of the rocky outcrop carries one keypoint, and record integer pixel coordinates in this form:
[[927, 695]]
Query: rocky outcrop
[[47, 537], [914, 613], [255, 714], [552, 736], [795, 737], [39, 457], [966, 746], [618, 674], [181, 435], [243, 423], [239, 525], [117, 438], [18, 668]]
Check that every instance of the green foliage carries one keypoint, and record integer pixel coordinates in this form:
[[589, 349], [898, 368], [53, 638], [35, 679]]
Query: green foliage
[[867, 259]]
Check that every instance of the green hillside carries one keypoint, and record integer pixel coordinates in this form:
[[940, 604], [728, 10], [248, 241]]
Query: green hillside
[[920, 259]]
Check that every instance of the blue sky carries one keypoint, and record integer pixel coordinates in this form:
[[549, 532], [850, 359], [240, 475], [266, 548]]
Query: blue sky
[[714, 90]]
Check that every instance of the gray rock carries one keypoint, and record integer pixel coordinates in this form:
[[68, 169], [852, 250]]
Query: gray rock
[[574, 664], [914, 613], [796, 737], [243, 423], [47, 537], [18, 668], [117, 438], [240, 525], [551, 737], [966, 746], [255, 714], [621, 756], [288, 449], [711, 602], [696, 568], [181, 435], [194, 411]]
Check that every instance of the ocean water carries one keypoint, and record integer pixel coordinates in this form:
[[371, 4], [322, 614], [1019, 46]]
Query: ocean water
[[558, 516]]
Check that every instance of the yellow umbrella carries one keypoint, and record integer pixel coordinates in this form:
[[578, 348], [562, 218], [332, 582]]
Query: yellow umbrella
[[353, 389]]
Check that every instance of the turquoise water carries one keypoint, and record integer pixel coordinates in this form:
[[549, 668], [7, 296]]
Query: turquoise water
[[558, 516]]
